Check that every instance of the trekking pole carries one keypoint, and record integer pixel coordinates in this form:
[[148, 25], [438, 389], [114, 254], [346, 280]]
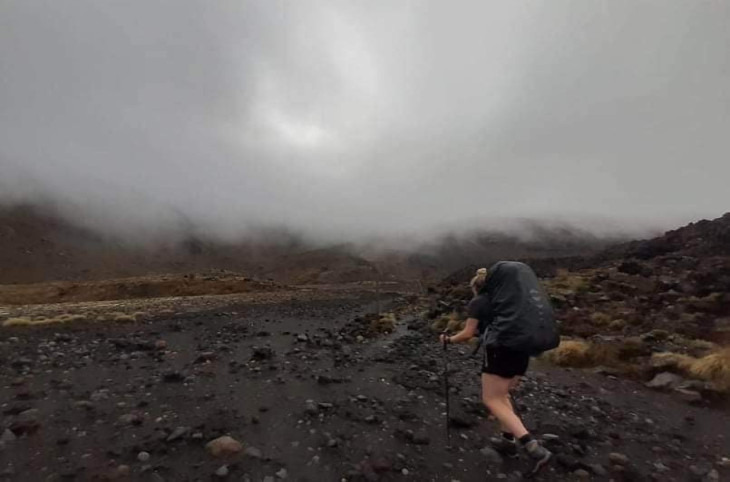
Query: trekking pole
[[446, 393]]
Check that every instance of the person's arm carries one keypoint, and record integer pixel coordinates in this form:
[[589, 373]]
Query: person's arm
[[470, 329]]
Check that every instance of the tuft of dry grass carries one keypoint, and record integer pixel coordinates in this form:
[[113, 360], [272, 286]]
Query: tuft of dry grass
[[578, 354], [600, 319], [20, 321], [451, 323], [440, 324], [384, 324], [123, 318], [714, 367], [28, 321], [673, 362]]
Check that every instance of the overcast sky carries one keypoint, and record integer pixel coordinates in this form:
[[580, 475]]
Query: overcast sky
[[362, 117]]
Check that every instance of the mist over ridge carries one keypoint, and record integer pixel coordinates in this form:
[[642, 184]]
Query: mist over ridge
[[352, 121]]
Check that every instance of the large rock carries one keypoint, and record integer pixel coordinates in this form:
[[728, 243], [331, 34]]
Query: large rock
[[223, 446], [665, 381]]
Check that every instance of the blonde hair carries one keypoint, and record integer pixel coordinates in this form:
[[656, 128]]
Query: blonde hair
[[477, 282]]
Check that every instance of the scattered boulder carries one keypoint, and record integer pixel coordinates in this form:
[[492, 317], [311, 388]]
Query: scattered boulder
[[665, 381]]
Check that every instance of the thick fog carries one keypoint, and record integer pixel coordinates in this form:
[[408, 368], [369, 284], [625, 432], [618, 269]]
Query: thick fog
[[365, 117]]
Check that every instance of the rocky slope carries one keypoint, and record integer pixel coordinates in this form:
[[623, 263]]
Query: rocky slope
[[314, 390], [632, 302]]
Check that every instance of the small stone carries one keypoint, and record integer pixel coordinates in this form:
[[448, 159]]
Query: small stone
[[713, 475], [664, 381], [122, 471], [7, 436], [282, 474], [310, 407], [253, 452], [223, 446], [660, 467], [491, 456], [550, 437], [404, 471], [143, 457], [360, 338], [160, 344], [618, 459], [222, 471], [178, 433], [582, 474], [597, 469], [689, 396], [173, 377], [302, 337], [131, 419], [421, 438]]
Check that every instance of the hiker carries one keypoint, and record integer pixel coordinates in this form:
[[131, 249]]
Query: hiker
[[515, 320]]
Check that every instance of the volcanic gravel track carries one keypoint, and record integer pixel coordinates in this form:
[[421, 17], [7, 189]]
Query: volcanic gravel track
[[310, 401]]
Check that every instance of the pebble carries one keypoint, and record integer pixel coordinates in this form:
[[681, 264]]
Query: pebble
[[7, 436], [223, 446], [282, 474], [177, 433], [618, 459], [222, 471], [550, 437], [253, 452], [405, 472], [310, 407], [492, 456], [143, 456]]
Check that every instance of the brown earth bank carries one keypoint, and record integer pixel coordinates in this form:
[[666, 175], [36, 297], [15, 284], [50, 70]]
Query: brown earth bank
[[193, 284], [314, 386]]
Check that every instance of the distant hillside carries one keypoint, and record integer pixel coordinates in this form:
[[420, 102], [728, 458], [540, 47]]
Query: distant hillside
[[37, 245]]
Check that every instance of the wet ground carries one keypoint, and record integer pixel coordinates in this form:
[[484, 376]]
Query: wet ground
[[311, 398]]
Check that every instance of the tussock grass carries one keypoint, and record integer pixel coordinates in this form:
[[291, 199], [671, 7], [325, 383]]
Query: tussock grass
[[384, 324], [28, 321], [673, 362], [714, 367], [451, 323], [440, 324], [578, 354], [122, 318]]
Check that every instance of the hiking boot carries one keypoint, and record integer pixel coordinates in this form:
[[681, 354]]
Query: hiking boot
[[505, 446], [539, 454]]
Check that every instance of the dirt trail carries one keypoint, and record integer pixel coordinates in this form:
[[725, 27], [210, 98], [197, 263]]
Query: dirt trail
[[310, 401]]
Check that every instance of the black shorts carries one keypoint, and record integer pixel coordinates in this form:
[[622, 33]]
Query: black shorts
[[505, 363]]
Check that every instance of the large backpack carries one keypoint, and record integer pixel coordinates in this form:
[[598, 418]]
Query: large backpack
[[522, 318]]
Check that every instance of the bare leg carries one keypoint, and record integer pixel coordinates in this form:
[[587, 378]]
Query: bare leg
[[513, 384], [495, 394]]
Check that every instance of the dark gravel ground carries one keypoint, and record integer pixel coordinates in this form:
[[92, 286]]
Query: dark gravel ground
[[310, 401]]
